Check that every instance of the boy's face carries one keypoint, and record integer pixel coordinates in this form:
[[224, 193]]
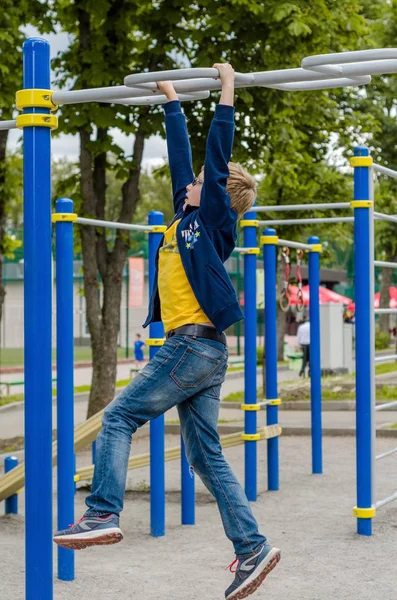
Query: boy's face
[[193, 191]]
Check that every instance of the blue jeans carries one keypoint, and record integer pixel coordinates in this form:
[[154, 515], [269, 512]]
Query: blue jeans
[[186, 372]]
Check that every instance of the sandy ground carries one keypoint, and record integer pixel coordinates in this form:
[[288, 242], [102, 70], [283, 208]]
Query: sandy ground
[[310, 519]]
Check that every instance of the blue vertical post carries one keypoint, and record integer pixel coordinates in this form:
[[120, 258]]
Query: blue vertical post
[[270, 241], [64, 218], [11, 503], [157, 458], [37, 327], [315, 355], [188, 489], [364, 375], [250, 398]]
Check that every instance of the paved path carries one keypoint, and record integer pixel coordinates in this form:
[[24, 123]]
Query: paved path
[[310, 519]]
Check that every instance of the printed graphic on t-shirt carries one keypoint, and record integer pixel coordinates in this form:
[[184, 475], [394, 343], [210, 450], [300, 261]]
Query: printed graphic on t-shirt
[[191, 235]]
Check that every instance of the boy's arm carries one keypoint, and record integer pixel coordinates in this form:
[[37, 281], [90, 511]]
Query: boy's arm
[[215, 201], [178, 143]]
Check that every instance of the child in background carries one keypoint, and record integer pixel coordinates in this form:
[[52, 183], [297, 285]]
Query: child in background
[[138, 351]]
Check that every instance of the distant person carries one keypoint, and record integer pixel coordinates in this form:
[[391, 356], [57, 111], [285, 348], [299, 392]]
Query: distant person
[[304, 342], [138, 351]]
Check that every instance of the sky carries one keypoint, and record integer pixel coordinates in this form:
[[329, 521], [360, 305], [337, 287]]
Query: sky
[[67, 146]]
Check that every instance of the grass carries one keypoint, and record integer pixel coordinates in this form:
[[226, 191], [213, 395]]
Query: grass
[[10, 399], [386, 368], [13, 357]]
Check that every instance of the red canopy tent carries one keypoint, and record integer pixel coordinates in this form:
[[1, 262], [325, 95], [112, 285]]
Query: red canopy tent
[[392, 301]]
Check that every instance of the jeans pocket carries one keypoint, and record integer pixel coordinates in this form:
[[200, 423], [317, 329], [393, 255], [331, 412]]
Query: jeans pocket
[[193, 368]]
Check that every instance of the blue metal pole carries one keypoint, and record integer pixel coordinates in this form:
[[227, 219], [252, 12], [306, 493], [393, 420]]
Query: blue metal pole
[[250, 319], [11, 503], [38, 324], [315, 355], [362, 266], [188, 489], [157, 458], [270, 266], [65, 378]]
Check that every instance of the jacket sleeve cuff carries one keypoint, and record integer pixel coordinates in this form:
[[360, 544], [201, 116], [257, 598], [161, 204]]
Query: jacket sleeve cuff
[[172, 107], [223, 112]]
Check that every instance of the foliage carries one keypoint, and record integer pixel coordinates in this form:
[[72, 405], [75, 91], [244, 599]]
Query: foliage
[[382, 340]]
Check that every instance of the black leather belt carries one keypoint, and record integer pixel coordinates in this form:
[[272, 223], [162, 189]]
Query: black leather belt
[[196, 330]]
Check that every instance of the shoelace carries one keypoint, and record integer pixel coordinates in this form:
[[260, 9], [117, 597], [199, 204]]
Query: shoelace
[[77, 522], [230, 567]]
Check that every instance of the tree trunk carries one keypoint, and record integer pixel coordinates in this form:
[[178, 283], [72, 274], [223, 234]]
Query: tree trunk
[[387, 278], [3, 145]]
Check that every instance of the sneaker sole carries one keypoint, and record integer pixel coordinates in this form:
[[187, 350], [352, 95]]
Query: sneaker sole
[[79, 544], [255, 583]]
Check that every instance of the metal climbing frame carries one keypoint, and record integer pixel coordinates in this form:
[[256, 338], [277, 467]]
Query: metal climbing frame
[[366, 406], [37, 102]]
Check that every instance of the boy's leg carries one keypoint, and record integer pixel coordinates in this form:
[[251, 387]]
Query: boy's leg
[[178, 370], [255, 558]]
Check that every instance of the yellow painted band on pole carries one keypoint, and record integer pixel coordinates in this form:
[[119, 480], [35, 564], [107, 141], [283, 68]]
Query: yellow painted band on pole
[[361, 161], [34, 99], [250, 406], [269, 239], [158, 229], [63, 217], [250, 251], [364, 513], [154, 342], [361, 204], [316, 248], [249, 223], [37, 120], [274, 401], [76, 478], [251, 437]]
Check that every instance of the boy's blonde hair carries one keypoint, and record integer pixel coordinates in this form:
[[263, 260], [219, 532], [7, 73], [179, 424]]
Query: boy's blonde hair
[[241, 187]]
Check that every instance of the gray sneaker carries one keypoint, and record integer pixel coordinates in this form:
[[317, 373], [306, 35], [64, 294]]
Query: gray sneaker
[[90, 531], [251, 572]]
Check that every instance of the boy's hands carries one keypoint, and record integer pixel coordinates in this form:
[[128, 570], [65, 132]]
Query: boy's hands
[[226, 73], [167, 88]]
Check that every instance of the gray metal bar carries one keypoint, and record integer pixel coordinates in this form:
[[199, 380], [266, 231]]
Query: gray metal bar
[[322, 84], [242, 250], [97, 94], [385, 171], [113, 225], [4, 125], [385, 264], [387, 500], [296, 245], [380, 359], [385, 406], [161, 99], [385, 311], [150, 79], [338, 58], [382, 217], [307, 221], [385, 454], [293, 207]]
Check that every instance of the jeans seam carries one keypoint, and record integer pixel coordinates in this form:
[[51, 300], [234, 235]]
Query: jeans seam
[[197, 383], [217, 479]]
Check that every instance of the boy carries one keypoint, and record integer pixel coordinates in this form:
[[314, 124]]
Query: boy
[[138, 351], [196, 301]]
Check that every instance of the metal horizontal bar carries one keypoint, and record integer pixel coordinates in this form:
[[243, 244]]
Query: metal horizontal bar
[[4, 125], [385, 171], [382, 217], [181, 74], [306, 221], [385, 454], [385, 311], [349, 57], [322, 84], [161, 99], [385, 264], [380, 359], [113, 225], [97, 94], [385, 406], [297, 245], [386, 500], [293, 207]]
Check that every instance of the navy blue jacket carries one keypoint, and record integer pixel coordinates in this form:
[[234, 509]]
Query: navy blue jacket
[[206, 235]]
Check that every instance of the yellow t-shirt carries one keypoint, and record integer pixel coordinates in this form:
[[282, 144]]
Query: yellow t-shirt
[[178, 302]]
